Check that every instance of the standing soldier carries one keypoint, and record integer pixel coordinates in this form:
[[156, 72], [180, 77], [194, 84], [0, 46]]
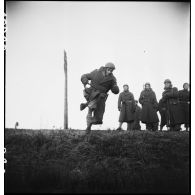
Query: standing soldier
[[126, 106], [170, 97], [149, 108], [184, 97], [136, 125], [162, 111], [102, 80]]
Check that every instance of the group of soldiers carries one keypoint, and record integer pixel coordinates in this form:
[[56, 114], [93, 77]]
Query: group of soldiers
[[174, 106]]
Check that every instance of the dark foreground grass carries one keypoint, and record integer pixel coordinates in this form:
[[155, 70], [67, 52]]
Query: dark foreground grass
[[105, 161]]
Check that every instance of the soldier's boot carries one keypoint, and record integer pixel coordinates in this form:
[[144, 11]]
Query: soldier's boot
[[89, 121], [148, 127], [155, 127], [83, 106], [161, 128], [120, 127], [177, 128]]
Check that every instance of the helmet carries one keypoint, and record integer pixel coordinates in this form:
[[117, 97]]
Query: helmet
[[125, 85], [185, 84], [167, 81], [147, 84], [110, 65]]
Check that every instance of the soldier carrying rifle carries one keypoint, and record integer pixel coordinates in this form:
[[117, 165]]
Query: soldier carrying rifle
[[102, 80]]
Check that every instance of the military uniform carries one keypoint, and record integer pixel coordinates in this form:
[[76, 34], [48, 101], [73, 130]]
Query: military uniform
[[184, 99], [149, 109], [174, 116], [126, 105], [96, 94]]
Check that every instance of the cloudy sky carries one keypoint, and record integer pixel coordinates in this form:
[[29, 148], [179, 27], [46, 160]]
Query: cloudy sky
[[147, 41]]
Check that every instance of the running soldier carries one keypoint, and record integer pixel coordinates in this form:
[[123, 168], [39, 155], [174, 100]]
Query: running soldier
[[102, 80]]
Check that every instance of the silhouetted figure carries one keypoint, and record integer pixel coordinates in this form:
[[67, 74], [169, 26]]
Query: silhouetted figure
[[174, 116], [149, 108], [126, 106], [184, 98], [102, 80]]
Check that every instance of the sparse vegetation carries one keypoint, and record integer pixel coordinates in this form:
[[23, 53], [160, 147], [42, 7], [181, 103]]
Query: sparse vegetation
[[105, 161]]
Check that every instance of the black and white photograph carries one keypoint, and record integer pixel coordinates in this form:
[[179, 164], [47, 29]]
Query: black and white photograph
[[97, 97]]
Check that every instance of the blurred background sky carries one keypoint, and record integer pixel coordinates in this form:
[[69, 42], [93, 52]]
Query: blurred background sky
[[147, 41]]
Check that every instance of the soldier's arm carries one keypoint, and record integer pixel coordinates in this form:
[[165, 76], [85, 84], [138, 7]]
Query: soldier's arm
[[86, 77], [141, 98], [173, 93], [155, 100], [114, 87], [133, 102]]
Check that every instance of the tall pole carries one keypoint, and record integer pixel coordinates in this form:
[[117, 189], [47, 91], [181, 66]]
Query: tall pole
[[66, 93]]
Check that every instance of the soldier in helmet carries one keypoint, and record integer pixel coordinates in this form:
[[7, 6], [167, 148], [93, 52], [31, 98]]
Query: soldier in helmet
[[149, 108], [184, 98], [101, 81], [126, 106], [170, 98]]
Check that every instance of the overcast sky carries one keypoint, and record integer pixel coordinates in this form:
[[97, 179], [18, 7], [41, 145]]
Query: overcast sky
[[147, 41]]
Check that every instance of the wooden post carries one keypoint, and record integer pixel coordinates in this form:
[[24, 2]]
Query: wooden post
[[66, 93]]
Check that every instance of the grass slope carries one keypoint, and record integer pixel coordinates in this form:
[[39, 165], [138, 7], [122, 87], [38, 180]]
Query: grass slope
[[105, 161]]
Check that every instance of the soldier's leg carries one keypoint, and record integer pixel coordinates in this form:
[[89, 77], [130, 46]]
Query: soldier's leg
[[89, 119], [120, 126], [130, 126], [136, 125], [148, 126], [187, 127], [171, 127], [99, 111], [177, 127], [155, 126]]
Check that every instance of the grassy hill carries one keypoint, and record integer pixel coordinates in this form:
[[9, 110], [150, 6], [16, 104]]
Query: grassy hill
[[105, 161]]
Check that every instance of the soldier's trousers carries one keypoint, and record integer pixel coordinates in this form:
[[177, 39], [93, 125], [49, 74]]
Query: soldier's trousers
[[136, 125], [95, 116], [130, 126], [89, 116]]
